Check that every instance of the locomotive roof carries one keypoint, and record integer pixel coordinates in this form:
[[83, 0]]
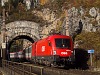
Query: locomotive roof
[[57, 36], [54, 36]]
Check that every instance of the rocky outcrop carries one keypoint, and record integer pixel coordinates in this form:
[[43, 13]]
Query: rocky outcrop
[[84, 20], [77, 20], [49, 16]]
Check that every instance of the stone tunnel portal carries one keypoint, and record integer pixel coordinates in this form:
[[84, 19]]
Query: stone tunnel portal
[[19, 30]]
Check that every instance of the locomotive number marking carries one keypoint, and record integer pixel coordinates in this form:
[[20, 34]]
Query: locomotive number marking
[[43, 48], [63, 53]]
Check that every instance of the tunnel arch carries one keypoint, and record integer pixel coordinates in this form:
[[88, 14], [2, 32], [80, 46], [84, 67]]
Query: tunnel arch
[[19, 37], [22, 30]]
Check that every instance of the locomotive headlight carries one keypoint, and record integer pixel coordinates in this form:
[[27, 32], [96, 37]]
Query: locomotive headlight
[[54, 52]]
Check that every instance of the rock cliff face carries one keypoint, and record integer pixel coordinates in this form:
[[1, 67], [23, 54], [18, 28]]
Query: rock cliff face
[[84, 20], [71, 22]]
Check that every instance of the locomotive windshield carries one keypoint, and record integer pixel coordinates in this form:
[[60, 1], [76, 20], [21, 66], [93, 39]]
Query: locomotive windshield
[[62, 43]]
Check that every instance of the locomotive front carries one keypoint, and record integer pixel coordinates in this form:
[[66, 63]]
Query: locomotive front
[[62, 50]]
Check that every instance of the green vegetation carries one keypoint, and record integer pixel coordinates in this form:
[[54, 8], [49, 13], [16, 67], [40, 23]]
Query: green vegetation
[[89, 40]]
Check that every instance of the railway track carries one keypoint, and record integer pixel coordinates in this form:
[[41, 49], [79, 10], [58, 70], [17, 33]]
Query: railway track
[[62, 71], [58, 71], [30, 69], [70, 72]]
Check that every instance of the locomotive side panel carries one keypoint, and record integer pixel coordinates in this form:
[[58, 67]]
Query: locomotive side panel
[[41, 51], [43, 48]]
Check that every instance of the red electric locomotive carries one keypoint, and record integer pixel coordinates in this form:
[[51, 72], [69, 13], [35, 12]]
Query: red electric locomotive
[[55, 50]]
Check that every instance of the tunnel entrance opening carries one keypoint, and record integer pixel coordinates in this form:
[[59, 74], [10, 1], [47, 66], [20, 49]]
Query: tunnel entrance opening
[[18, 43]]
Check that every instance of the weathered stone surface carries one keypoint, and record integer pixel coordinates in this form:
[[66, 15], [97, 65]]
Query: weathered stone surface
[[17, 28], [89, 19]]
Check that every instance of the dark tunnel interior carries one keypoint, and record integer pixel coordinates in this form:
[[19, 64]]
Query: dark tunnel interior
[[19, 37]]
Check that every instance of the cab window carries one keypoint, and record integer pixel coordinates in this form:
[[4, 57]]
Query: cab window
[[62, 43]]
